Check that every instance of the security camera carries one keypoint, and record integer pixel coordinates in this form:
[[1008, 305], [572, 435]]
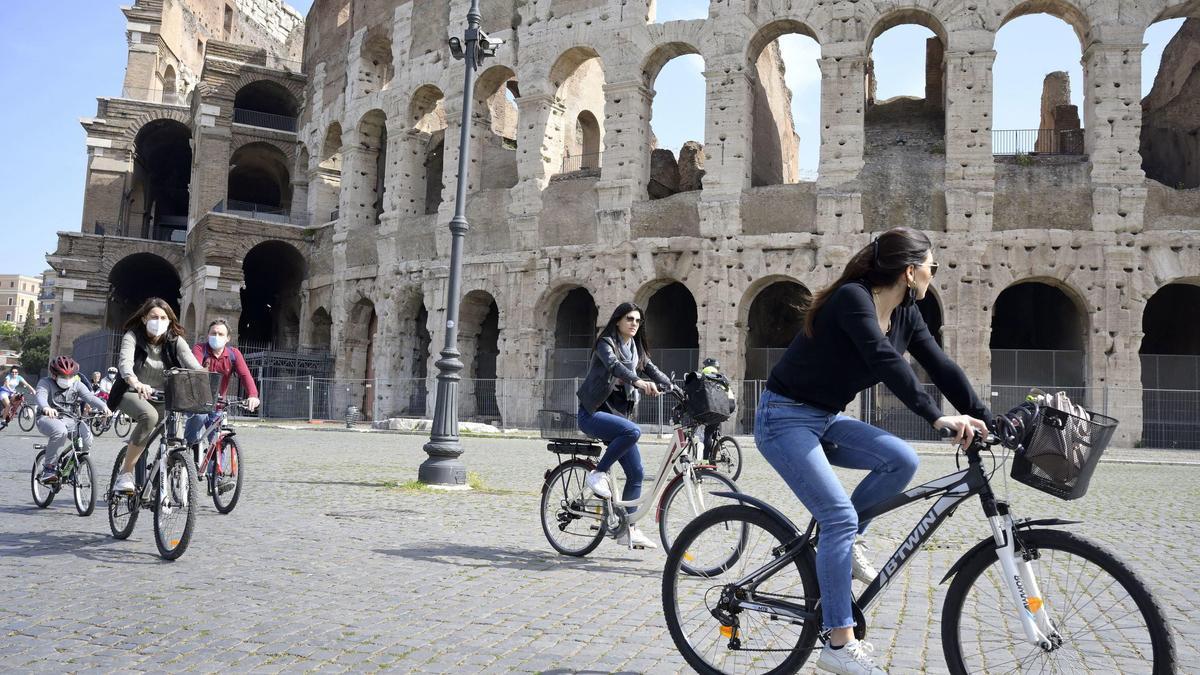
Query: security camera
[[456, 48], [488, 45]]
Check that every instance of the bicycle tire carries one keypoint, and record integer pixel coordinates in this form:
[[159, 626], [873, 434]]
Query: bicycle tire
[[567, 478], [98, 426], [84, 483], [1140, 601], [236, 461], [123, 509], [727, 456], [669, 524], [43, 496], [122, 425], [27, 418], [181, 482], [753, 521]]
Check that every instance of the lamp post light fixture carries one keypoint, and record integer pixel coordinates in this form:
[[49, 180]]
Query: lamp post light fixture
[[443, 467]]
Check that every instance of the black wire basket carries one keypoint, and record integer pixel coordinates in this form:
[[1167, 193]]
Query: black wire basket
[[1062, 452]]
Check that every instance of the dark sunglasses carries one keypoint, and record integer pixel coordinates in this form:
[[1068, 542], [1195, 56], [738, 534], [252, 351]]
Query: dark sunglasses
[[933, 268]]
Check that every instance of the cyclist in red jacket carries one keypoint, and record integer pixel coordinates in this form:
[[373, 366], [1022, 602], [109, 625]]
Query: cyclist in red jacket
[[218, 356]]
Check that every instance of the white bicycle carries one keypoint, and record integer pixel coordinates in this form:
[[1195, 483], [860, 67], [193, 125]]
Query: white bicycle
[[575, 519]]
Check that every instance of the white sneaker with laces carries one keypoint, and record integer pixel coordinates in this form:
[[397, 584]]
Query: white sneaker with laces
[[852, 659], [597, 482], [124, 483], [635, 538], [861, 566]]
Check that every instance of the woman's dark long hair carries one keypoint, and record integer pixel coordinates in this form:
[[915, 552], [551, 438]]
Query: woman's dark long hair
[[879, 263], [639, 338], [139, 329]]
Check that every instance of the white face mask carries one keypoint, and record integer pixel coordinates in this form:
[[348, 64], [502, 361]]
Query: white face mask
[[217, 342], [64, 382], [157, 327]]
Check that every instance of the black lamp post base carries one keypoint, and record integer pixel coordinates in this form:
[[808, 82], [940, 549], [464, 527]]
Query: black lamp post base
[[442, 471]]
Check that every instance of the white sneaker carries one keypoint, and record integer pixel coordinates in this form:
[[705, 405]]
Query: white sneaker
[[124, 483], [861, 566], [635, 537], [597, 482], [852, 659]]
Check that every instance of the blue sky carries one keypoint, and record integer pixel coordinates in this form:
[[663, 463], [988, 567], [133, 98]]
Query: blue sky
[[43, 191]]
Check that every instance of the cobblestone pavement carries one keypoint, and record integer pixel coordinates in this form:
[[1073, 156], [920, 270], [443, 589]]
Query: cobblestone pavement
[[330, 563]]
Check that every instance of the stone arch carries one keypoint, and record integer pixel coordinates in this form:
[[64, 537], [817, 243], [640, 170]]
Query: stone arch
[[424, 156], [671, 322], [326, 183], [267, 103], [138, 122], [188, 318], [776, 141], [570, 318], [577, 80], [273, 272], [322, 329], [770, 315], [358, 341], [133, 279], [1039, 338], [294, 90], [372, 171], [669, 173], [259, 180], [378, 68], [1170, 364], [1076, 18], [1170, 133], [659, 56], [494, 130], [480, 326], [159, 194], [586, 144], [410, 395], [169, 86]]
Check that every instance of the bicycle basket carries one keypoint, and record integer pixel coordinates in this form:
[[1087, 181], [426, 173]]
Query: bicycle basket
[[191, 391], [708, 400], [1062, 452], [559, 424]]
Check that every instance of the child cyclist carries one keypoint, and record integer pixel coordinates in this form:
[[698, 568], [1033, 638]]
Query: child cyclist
[[63, 392]]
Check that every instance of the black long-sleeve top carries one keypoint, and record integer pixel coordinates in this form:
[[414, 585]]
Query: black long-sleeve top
[[848, 353]]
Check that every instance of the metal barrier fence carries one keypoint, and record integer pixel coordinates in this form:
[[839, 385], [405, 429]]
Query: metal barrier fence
[[589, 160], [1037, 142], [265, 120]]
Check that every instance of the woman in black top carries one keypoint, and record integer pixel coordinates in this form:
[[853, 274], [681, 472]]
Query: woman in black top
[[855, 334], [620, 372]]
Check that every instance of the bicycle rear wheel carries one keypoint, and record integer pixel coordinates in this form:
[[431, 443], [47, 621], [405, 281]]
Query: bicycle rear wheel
[[677, 508], [84, 482], [563, 510], [123, 508], [1107, 619], [42, 495], [26, 417], [226, 481], [727, 457], [728, 543], [175, 506], [98, 426], [122, 425]]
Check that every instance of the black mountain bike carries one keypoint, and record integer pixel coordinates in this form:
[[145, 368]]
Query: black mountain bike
[[74, 468], [167, 488], [740, 588], [723, 452]]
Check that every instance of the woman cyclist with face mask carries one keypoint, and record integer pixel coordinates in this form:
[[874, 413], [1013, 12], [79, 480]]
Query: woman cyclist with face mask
[[153, 342]]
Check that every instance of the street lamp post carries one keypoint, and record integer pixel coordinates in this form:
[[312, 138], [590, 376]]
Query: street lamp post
[[443, 467]]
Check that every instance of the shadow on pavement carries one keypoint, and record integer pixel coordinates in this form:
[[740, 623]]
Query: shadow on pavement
[[466, 555], [86, 545]]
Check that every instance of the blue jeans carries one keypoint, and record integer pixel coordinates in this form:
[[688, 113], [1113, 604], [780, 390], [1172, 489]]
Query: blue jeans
[[195, 425], [789, 435], [621, 434]]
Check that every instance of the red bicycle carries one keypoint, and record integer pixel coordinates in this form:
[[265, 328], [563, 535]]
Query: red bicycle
[[25, 414], [222, 468]]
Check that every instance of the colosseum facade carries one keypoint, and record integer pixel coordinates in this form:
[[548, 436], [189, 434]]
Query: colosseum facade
[[321, 159]]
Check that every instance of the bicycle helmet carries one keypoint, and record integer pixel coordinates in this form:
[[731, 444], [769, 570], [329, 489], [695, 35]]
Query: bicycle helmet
[[710, 362], [112, 370], [64, 365]]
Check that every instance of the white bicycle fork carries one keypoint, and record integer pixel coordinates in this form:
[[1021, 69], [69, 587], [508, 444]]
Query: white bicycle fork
[[1022, 585]]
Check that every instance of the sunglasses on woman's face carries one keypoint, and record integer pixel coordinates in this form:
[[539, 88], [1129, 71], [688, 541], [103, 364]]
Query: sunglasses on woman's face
[[933, 268], [633, 319]]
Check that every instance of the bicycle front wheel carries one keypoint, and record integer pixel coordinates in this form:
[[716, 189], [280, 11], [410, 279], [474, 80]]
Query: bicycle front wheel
[[573, 525], [728, 543], [85, 487], [728, 457], [42, 495], [98, 426], [122, 425], [175, 506], [26, 417], [1107, 620], [678, 507], [123, 508], [226, 475]]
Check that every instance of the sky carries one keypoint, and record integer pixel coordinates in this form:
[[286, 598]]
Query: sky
[[43, 191]]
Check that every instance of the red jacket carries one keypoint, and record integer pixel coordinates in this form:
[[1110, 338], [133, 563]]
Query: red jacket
[[222, 365]]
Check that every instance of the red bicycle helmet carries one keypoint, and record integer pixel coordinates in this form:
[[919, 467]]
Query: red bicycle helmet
[[64, 365]]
